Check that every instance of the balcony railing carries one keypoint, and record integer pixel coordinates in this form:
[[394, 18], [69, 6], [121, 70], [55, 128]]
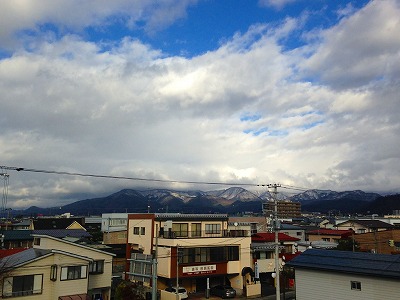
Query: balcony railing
[[203, 234]]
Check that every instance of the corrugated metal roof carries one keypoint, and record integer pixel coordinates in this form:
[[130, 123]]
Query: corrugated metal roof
[[23, 257], [378, 265]]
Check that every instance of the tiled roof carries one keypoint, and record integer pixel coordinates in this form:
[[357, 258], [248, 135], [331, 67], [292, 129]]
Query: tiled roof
[[330, 232], [62, 233], [369, 223], [14, 235], [56, 223], [378, 265], [285, 226], [270, 237]]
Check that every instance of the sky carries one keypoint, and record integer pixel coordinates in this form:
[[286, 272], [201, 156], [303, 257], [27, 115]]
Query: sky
[[297, 92]]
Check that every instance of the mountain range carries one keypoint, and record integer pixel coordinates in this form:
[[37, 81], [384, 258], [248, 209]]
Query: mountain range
[[233, 201]]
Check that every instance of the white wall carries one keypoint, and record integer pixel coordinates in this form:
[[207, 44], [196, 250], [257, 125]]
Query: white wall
[[317, 285]]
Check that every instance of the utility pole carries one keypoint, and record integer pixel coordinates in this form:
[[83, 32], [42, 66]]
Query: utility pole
[[154, 278], [177, 272], [276, 229]]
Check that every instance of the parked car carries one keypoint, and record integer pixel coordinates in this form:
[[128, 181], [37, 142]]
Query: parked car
[[181, 291], [223, 291]]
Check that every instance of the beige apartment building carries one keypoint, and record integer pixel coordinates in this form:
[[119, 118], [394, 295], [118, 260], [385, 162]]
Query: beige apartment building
[[193, 249]]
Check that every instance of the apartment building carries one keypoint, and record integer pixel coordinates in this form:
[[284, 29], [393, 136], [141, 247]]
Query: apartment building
[[194, 250], [286, 209]]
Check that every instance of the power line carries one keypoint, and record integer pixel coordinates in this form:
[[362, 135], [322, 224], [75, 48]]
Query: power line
[[21, 169]]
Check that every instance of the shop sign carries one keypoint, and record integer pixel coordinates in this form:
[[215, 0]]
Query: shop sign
[[199, 270]]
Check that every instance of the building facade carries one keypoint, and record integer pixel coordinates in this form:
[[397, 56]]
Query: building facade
[[328, 274], [193, 250], [57, 269]]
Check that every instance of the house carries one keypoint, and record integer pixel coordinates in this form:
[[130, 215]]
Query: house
[[382, 242], [22, 225], [257, 223], [330, 274], [16, 239], [191, 249], [58, 223], [57, 269], [114, 230], [328, 235], [263, 249], [293, 231], [23, 238], [363, 226]]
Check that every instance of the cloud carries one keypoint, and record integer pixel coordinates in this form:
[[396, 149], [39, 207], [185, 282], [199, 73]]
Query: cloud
[[277, 4], [362, 49], [249, 111], [29, 18]]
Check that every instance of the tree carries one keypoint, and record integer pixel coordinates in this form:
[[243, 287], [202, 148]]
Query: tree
[[347, 245], [127, 290]]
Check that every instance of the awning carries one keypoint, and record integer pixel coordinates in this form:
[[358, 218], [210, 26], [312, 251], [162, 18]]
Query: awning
[[74, 297]]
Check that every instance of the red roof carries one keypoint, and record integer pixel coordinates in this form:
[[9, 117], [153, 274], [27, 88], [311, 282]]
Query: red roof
[[331, 232], [270, 237], [8, 252]]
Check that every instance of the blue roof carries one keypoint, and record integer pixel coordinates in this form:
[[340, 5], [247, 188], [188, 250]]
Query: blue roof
[[377, 265]]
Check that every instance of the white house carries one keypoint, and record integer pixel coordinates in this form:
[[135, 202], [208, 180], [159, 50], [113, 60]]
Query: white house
[[330, 274]]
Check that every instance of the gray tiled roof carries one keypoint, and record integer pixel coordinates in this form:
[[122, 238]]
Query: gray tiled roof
[[23, 257], [378, 265], [14, 235], [61, 233]]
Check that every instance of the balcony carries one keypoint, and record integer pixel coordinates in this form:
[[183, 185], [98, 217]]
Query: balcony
[[203, 234]]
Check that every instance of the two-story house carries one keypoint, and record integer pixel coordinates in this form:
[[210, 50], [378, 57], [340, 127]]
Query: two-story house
[[57, 269]]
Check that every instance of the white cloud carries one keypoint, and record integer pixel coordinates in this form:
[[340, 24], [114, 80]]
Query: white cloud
[[131, 111], [31, 17], [363, 48], [277, 4]]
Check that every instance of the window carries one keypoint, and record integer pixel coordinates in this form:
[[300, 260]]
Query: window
[[36, 241], [96, 267], [53, 273], [207, 254], [196, 230], [142, 230], [136, 230], [22, 285], [355, 285], [180, 229], [213, 228], [73, 272], [118, 222]]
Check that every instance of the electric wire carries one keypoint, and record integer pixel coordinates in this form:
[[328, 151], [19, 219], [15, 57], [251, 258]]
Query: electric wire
[[21, 169]]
